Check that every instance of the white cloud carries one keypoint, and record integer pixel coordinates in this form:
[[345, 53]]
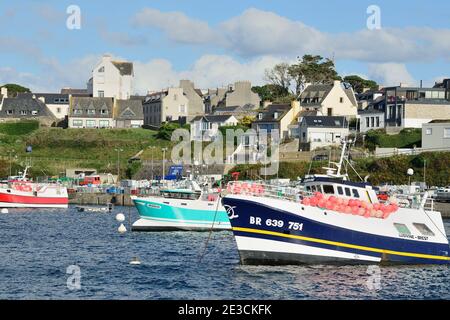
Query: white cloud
[[256, 33], [391, 74], [176, 25]]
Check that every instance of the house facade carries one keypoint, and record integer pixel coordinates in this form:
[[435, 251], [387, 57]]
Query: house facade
[[241, 94], [411, 107], [330, 100], [436, 135], [112, 79], [165, 106], [91, 112], [322, 131], [205, 128], [57, 103], [128, 113], [277, 117], [194, 96], [26, 108], [370, 119]]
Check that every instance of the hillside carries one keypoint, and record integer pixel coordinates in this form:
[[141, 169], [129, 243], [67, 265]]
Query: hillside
[[54, 149]]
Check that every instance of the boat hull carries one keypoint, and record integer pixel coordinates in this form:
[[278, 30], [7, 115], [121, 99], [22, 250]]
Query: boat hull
[[319, 239], [160, 214], [17, 199]]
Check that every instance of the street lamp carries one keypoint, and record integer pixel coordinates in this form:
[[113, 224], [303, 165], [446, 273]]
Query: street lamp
[[118, 164], [164, 162]]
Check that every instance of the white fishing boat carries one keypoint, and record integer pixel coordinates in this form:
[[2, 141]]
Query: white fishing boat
[[335, 221], [23, 193]]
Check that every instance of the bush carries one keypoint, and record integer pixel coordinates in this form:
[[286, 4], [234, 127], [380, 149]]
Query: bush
[[18, 128]]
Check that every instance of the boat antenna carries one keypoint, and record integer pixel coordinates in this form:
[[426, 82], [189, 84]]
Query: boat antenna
[[341, 160]]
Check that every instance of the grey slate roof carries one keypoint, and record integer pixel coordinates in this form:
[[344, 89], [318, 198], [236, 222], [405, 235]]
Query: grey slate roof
[[74, 91], [318, 91], [350, 94], [125, 68], [89, 107], [129, 110], [326, 122], [269, 112], [50, 98], [24, 108], [213, 118]]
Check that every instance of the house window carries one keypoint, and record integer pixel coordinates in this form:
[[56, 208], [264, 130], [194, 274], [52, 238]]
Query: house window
[[329, 112], [447, 133], [90, 123], [91, 111], [101, 93], [341, 100], [23, 112], [175, 97], [367, 122], [378, 121], [429, 131], [103, 123], [77, 111], [372, 121], [101, 70], [9, 112], [104, 111], [58, 110], [77, 123], [34, 112]]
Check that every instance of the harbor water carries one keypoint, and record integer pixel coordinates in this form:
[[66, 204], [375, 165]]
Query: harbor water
[[40, 248]]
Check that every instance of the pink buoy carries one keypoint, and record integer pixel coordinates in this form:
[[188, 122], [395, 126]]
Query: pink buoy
[[379, 213], [377, 206], [373, 213], [306, 202], [355, 210], [366, 214], [386, 215], [361, 211], [348, 210]]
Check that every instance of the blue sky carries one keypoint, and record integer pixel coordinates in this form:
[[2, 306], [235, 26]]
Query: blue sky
[[217, 42]]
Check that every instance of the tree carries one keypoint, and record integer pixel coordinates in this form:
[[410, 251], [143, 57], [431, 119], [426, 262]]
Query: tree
[[270, 92], [279, 75], [14, 89], [314, 70], [359, 84], [246, 121]]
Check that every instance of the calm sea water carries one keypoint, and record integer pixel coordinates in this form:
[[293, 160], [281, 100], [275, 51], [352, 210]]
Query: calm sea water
[[37, 246]]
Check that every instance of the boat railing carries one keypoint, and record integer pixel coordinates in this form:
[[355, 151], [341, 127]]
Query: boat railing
[[265, 190]]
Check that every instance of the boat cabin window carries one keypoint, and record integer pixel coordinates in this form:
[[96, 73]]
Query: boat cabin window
[[328, 189], [308, 188], [313, 188], [340, 190], [423, 229], [347, 192], [180, 195], [402, 228], [355, 193]]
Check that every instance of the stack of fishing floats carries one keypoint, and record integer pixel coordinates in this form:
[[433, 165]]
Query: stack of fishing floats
[[245, 188], [351, 206]]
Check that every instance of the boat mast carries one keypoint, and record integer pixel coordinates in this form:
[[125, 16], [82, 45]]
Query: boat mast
[[341, 160]]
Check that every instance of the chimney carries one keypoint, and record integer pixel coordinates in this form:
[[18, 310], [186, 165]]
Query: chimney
[[4, 92], [336, 83], [266, 103], [295, 104], [42, 99]]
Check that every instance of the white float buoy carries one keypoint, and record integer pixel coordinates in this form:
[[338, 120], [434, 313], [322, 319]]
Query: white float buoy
[[120, 217], [122, 228], [135, 261], [4, 210]]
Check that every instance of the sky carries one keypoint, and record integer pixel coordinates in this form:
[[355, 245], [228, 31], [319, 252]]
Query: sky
[[218, 42]]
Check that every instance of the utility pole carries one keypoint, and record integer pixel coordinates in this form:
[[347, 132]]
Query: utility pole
[[118, 164]]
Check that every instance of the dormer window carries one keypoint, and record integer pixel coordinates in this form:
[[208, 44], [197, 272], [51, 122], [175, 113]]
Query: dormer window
[[104, 111], [101, 70], [9, 112], [90, 111], [275, 115], [77, 111], [34, 112], [260, 116], [23, 112]]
